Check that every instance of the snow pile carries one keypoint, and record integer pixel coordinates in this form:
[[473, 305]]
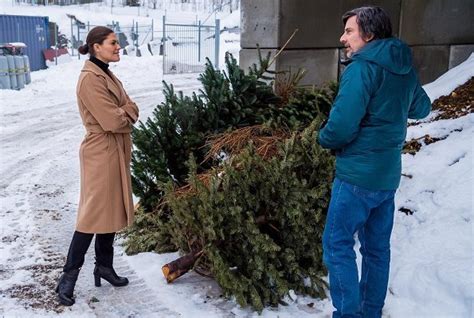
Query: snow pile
[[432, 249], [447, 82]]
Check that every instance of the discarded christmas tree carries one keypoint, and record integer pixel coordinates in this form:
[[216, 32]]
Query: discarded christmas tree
[[247, 184], [180, 125], [257, 222]]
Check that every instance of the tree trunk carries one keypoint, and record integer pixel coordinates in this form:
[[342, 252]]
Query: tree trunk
[[180, 266]]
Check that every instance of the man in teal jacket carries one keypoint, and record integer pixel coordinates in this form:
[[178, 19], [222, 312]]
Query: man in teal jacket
[[378, 91]]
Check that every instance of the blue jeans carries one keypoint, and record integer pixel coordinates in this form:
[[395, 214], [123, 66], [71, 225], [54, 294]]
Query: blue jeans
[[370, 213]]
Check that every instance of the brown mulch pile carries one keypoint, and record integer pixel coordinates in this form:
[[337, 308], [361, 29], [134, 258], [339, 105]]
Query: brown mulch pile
[[414, 145], [457, 104]]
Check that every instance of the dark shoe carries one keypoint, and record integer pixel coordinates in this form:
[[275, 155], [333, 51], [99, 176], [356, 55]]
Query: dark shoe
[[65, 288], [109, 274]]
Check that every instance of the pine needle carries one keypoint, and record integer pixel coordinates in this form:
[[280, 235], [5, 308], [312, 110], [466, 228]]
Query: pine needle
[[265, 141]]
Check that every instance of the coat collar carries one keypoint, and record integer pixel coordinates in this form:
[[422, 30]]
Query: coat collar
[[113, 84], [104, 66]]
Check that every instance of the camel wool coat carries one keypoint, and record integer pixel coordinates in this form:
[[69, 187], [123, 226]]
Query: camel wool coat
[[105, 203]]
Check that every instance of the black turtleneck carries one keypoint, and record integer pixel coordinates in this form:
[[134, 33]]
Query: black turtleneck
[[103, 66]]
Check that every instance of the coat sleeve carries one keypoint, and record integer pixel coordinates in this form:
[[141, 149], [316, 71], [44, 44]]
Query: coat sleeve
[[97, 100], [130, 107], [421, 104], [349, 108]]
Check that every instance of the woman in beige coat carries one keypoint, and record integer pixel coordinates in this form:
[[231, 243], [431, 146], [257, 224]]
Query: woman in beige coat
[[105, 204]]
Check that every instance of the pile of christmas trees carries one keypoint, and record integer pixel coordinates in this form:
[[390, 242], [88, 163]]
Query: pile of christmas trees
[[233, 177]]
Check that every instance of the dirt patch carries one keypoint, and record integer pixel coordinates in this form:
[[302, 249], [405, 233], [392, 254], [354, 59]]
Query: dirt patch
[[414, 145], [10, 238], [407, 211], [457, 104], [55, 215], [30, 296], [52, 194], [40, 292]]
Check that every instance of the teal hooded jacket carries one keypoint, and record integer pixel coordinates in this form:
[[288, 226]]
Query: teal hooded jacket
[[367, 124]]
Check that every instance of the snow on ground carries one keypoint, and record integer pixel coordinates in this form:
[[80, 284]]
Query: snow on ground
[[447, 82], [100, 14], [432, 250], [40, 133]]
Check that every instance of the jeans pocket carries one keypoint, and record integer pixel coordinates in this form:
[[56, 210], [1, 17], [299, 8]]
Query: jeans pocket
[[362, 192], [377, 195]]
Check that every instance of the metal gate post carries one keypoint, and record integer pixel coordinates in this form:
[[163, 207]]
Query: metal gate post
[[136, 39], [217, 43], [163, 42], [78, 39], [56, 28], [199, 41], [72, 34]]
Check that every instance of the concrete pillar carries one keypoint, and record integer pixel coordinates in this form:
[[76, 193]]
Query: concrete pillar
[[270, 23], [439, 32], [430, 61], [459, 53]]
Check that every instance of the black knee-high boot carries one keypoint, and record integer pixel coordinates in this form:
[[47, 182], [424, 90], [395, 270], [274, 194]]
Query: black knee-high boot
[[65, 288], [104, 252], [75, 259]]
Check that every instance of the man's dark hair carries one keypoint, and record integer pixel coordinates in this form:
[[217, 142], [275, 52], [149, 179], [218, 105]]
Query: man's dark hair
[[372, 21]]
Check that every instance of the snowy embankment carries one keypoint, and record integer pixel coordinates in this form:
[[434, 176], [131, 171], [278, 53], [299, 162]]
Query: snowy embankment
[[432, 249]]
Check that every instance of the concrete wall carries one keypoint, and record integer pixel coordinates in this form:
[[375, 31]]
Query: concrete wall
[[440, 33]]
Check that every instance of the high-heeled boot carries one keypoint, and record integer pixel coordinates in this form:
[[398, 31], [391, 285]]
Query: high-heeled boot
[[65, 287], [109, 274]]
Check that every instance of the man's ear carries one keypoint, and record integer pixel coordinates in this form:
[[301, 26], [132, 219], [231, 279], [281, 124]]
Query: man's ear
[[369, 38]]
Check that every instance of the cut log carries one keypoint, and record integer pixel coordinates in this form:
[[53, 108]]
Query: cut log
[[180, 266]]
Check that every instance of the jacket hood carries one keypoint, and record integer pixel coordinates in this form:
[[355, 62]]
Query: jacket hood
[[391, 54]]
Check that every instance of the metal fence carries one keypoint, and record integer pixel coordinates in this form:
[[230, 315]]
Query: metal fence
[[57, 2], [186, 46], [131, 36]]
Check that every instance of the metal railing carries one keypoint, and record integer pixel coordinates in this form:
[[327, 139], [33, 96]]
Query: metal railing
[[184, 47], [134, 34]]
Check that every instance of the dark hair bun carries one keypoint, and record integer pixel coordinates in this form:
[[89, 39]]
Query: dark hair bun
[[83, 49]]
